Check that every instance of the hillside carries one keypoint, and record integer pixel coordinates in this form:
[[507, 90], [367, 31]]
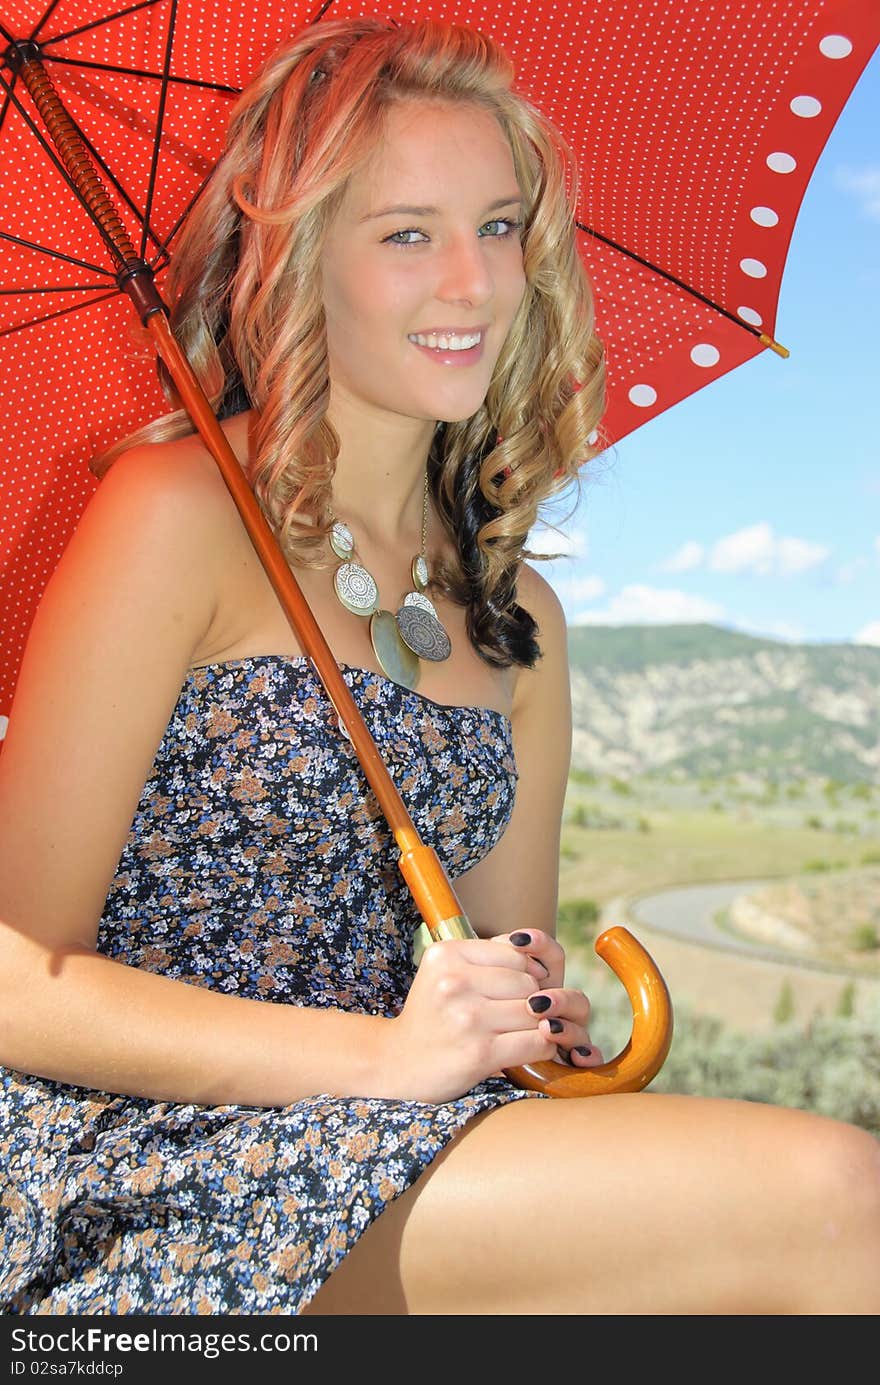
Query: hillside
[[709, 702]]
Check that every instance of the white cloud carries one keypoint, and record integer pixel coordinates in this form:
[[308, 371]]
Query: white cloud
[[869, 634], [549, 541], [759, 550], [639, 605], [578, 588], [798, 555], [865, 183], [877, 545], [689, 556]]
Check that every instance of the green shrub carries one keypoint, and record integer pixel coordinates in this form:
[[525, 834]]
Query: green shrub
[[783, 1010], [846, 1002], [620, 786], [582, 776], [817, 865], [579, 915], [865, 937], [813, 822], [871, 858]]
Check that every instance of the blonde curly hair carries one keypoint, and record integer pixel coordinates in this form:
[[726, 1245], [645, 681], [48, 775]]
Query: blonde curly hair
[[245, 290]]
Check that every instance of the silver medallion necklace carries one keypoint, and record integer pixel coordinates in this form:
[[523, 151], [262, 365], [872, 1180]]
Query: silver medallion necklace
[[399, 641]]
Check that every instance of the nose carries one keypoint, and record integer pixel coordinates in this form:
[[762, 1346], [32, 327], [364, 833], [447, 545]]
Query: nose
[[465, 274]]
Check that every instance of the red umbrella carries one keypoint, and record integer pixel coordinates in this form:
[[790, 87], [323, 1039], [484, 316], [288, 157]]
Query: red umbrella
[[696, 127]]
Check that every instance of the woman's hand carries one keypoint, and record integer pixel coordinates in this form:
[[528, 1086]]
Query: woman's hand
[[564, 1013], [466, 1017]]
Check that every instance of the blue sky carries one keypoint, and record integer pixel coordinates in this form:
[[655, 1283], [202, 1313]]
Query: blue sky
[[755, 503]]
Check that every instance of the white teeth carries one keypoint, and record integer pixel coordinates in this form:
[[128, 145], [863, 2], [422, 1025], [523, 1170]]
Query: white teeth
[[447, 343]]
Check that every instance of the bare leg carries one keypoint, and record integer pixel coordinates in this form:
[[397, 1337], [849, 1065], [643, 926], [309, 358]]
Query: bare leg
[[643, 1204]]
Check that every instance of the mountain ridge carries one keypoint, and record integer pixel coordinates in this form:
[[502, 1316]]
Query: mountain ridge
[[712, 701]]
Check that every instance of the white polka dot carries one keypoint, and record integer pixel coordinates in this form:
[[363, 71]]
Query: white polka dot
[[593, 438], [753, 268], [805, 106], [835, 46], [4, 723], [643, 396], [764, 216], [749, 315], [781, 163], [705, 354]]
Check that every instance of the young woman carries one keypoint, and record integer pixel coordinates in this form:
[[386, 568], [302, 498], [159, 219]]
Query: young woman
[[227, 1088]]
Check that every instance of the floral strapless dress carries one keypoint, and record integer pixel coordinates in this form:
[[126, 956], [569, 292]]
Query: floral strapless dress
[[258, 863]]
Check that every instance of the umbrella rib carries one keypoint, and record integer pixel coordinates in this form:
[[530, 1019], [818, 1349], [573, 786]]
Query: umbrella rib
[[160, 120], [7, 102], [141, 72], [186, 211], [62, 312], [95, 24], [56, 255], [664, 274], [52, 288], [42, 20]]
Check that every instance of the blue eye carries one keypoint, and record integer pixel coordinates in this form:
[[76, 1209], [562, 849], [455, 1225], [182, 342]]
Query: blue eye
[[512, 228], [394, 241], [509, 223]]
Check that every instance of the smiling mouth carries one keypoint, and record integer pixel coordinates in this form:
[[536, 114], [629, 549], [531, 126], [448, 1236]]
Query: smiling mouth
[[447, 341]]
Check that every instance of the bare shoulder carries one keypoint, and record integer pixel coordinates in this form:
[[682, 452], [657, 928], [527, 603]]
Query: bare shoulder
[[550, 675], [180, 476], [105, 662]]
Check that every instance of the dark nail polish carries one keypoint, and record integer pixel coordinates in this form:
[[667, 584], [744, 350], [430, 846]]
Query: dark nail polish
[[520, 939], [540, 1003], [556, 1026], [582, 1050]]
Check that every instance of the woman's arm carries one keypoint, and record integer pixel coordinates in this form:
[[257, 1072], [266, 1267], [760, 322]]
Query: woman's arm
[[516, 886], [107, 655]]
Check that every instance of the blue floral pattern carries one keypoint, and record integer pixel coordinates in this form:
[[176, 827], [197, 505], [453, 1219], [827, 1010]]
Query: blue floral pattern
[[258, 863]]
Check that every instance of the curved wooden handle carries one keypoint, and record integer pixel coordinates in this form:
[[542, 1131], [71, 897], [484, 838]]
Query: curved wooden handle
[[642, 1056]]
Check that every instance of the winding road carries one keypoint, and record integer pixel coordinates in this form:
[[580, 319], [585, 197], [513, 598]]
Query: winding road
[[689, 914]]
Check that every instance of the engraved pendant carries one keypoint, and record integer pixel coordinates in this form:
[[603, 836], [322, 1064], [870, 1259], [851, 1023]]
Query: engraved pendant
[[341, 540], [420, 572], [356, 589], [396, 660], [419, 599], [423, 633]]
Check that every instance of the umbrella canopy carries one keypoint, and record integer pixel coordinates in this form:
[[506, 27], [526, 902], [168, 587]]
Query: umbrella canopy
[[696, 128]]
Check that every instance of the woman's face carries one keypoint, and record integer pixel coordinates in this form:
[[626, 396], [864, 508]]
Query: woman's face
[[451, 260]]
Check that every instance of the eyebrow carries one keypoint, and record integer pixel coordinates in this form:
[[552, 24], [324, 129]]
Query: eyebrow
[[435, 211]]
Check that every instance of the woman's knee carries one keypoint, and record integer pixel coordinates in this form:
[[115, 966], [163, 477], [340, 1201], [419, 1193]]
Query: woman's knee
[[838, 1171]]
